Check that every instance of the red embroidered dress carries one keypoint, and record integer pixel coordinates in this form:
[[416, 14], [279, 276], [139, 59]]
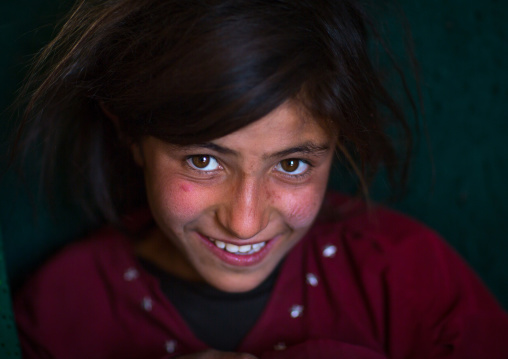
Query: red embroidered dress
[[374, 284]]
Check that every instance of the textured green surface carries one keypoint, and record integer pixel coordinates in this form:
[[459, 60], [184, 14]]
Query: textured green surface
[[462, 48], [30, 235]]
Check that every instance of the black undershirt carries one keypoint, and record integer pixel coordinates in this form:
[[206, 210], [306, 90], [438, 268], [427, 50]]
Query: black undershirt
[[220, 319]]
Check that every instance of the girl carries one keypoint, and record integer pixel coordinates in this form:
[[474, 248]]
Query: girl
[[204, 132]]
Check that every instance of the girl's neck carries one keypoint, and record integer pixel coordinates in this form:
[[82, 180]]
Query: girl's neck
[[159, 250]]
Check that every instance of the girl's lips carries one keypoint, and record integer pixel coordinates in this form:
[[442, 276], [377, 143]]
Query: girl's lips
[[251, 256], [241, 249]]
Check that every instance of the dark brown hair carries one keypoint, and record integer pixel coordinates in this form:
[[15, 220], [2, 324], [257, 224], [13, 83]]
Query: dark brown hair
[[191, 71]]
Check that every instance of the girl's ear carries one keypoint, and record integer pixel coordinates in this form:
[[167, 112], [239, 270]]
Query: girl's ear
[[136, 150]]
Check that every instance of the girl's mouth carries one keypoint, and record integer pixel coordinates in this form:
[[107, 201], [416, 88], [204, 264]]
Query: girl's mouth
[[239, 255], [238, 250]]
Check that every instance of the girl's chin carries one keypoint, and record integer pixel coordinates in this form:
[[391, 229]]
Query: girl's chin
[[237, 283]]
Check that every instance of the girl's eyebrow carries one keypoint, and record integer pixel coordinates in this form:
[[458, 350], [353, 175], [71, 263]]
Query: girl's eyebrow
[[306, 148], [215, 147], [309, 148]]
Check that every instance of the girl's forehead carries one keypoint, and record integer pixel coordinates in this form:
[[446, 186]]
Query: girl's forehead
[[286, 126]]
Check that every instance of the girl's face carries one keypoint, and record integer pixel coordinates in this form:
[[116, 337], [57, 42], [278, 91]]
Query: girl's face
[[230, 209]]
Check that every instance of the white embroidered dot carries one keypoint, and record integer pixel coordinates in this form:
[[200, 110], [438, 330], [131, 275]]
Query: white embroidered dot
[[329, 251], [296, 311], [312, 279], [280, 346], [147, 304], [171, 346], [131, 274]]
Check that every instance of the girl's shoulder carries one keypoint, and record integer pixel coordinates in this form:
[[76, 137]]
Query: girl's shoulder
[[108, 247], [381, 242], [75, 272], [390, 254], [79, 259], [383, 227], [81, 290], [403, 276]]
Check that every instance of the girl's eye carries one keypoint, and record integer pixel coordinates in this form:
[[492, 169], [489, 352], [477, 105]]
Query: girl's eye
[[203, 163], [292, 166]]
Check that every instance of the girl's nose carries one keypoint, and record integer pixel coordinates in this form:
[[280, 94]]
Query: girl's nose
[[245, 211]]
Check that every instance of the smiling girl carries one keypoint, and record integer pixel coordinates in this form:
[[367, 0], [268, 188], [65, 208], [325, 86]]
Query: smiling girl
[[204, 132], [232, 213]]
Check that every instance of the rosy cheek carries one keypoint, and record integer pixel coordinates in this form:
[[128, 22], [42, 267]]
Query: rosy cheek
[[181, 201], [302, 215], [301, 211]]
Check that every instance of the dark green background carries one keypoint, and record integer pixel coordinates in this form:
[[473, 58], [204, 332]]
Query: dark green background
[[460, 190]]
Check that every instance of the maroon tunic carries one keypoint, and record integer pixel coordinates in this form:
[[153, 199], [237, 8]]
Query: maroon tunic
[[374, 284]]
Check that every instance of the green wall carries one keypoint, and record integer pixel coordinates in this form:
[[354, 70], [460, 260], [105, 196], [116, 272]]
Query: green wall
[[461, 190], [462, 47]]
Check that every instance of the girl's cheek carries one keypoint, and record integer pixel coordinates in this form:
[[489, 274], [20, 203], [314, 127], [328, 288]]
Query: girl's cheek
[[186, 187], [302, 208], [181, 200]]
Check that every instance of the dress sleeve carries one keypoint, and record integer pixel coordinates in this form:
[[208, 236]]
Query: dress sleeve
[[31, 336], [473, 324], [441, 306]]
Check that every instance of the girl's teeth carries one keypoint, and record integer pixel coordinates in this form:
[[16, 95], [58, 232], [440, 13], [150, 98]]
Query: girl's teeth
[[258, 246], [245, 249], [231, 248]]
